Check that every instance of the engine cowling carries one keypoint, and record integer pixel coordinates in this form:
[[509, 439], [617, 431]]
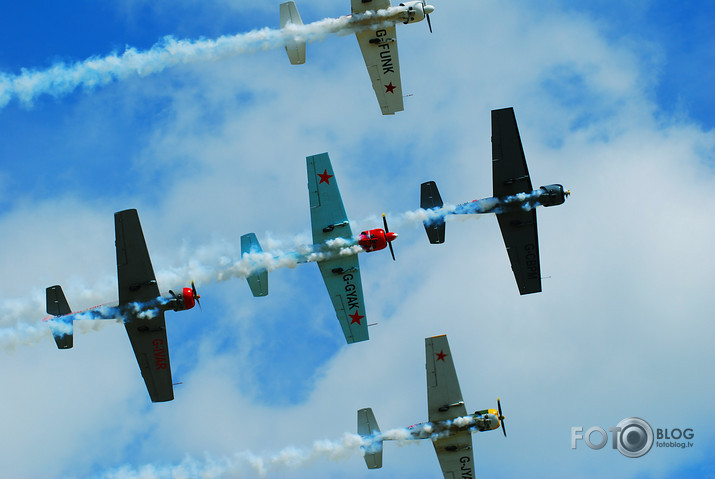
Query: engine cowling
[[185, 300], [486, 420], [188, 297], [553, 195], [375, 240], [415, 12]]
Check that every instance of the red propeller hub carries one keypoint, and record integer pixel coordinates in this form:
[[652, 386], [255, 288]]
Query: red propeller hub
[[188, 297], [390, 236]]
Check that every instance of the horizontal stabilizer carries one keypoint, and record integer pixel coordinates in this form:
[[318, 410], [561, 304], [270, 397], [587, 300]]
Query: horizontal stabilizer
[[369, 430], [61, 328], [294, 48], [258, 281], [430, 199]]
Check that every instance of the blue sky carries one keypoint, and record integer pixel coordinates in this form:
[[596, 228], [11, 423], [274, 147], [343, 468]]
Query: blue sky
[[612, 100], [677, 40]]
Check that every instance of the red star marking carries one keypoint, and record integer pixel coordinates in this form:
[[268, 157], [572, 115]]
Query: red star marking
[[356, 318], [441, 355], [325, 177], [390, 88]]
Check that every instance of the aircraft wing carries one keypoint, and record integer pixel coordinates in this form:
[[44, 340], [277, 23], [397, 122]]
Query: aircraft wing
[[455, 455], [329, 221], [444, 401], [522, 244], [145, 326], [511, 176], [379, 50], [509, 172], [342, 278], [444, 397], [327, 213], [135, 274], [361, 6], [148, 338]]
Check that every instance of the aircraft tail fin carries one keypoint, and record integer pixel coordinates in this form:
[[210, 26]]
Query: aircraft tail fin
[[294, 48], [62, 328], [429, 199], [372, 440], [258, 281]]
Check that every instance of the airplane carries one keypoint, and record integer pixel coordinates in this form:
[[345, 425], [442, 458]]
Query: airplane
[[514, 202], [140, 306], [332, 236], [450, 427], [374, 27]]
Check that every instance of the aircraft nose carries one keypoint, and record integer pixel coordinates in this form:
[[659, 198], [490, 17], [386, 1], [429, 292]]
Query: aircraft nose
[[428, 9], [391, 236]]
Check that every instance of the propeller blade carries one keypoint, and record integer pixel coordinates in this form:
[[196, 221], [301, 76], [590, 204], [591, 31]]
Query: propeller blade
[[196, 294], [429, 24], [387, 230], [501, 417]]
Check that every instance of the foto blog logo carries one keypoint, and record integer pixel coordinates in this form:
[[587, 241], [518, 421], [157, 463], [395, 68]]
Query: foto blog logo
[[633, 437]]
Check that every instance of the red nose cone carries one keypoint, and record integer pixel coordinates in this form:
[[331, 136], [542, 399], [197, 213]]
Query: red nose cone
[[188, 296], [390, 236]]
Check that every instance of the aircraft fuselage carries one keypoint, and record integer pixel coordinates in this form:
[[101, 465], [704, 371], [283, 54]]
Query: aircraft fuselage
[[550, 195], [408, 12], [486, 420], [126, 312]]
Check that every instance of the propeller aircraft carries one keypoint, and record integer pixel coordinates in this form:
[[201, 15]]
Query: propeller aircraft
[[374, 24], [514, 202], [450, 427], [332, 236], [140, 306]]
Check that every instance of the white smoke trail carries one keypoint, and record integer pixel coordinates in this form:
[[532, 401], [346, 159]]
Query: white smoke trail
[[244, 464], [248, 464], [420, 215], [20, 319], [20, 331], [61, 79], [220, 261], [17, 329], [524, 201]]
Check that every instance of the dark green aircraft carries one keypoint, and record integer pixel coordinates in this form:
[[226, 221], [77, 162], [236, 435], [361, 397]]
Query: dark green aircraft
[[514, 202], [141, 307]]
